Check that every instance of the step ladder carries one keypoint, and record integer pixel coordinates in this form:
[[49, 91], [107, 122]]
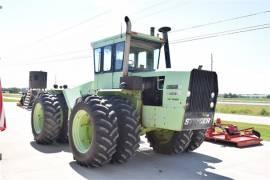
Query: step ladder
[[26, 103]]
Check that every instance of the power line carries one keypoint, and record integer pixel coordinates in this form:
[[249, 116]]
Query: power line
[[61, 60], [83, 22], [205, 36], [159, 11], [223, 33], [67, 28], [90, 19], [86, 21], [62, 54], [227, 31], [150, 6], [73, 26], [221, 21], [74, 58]]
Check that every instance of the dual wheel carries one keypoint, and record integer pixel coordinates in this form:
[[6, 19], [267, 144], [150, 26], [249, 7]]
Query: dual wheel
[[95, 136], [49, 119]]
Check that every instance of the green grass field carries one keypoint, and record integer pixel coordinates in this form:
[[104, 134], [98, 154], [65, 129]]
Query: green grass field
[[12, 95], [8, 97], [251, 100], [263, 129], [243, 109], [11, 100]]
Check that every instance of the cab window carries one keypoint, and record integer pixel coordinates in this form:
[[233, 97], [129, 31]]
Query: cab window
[[144, 56], [119, 55], [107, 61], [97, 60]]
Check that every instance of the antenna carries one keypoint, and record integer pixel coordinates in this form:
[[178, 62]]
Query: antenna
[[212, 60], [121, 30], [54, 78]]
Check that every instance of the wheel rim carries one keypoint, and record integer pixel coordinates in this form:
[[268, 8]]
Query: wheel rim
[[82, 131], [38, 118]]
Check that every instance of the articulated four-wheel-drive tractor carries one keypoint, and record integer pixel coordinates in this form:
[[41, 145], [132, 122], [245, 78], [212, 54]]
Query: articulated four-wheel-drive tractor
[[103, 119]]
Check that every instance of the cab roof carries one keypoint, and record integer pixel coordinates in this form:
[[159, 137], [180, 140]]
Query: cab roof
[[122, 37]]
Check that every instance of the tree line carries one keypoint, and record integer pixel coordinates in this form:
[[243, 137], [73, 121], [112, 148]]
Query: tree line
[[232, 95]]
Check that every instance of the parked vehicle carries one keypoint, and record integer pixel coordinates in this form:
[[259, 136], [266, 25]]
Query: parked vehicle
[[128, 98]]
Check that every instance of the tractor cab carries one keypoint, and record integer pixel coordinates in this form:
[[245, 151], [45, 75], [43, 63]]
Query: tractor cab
[[143, 54], [128, 55], [125, 55]]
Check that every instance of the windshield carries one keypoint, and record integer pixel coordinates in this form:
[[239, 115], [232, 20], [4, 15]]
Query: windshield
[[144, 55]]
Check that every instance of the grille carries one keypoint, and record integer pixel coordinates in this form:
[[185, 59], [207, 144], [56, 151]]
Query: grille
[[202, 84]]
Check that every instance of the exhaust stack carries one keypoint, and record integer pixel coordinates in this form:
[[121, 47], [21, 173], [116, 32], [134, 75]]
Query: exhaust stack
[[152, 31], [164, 31], [127, 47]]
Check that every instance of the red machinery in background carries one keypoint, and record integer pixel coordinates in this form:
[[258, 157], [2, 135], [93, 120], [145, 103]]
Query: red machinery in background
[[2, 114], [230, 133]]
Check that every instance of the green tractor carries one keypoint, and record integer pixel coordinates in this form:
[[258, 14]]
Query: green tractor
[[104, 119]]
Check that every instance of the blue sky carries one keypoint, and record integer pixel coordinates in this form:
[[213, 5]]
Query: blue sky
[[32, 38]]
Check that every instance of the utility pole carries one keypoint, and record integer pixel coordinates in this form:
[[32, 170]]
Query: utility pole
[[212, 62], [55, 79]]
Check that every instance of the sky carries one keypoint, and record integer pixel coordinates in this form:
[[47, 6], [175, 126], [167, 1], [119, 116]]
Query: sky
[[56, 36]]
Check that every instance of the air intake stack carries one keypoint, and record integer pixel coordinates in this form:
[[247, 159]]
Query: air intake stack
[[164, 31]]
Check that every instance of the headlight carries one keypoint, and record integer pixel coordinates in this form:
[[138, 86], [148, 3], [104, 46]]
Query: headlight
[[212, 105], [188, 94]]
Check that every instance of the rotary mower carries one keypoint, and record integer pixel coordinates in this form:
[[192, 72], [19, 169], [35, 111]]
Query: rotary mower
[[229, 133]]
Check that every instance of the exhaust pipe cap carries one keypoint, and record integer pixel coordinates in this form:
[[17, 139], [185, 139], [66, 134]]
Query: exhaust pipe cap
[[164, 29], [126, 19]]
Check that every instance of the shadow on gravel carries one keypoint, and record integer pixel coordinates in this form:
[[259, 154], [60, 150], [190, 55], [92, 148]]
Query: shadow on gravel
[[52, 148], [147, 164]]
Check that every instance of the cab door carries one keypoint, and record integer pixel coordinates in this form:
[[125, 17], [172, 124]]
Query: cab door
[[118, 55], [103, 67]]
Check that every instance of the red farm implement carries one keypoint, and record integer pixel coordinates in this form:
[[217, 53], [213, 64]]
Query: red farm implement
[[229, 133], [2, 115]]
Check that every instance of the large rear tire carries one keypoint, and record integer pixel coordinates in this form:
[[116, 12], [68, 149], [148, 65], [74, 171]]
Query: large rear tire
[[128, 127], [93, 131], [63, 136], [46, 119], [196, 139], [169, 142]]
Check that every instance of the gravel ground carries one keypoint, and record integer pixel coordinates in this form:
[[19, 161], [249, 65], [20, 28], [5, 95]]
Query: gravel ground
[[24, 159]]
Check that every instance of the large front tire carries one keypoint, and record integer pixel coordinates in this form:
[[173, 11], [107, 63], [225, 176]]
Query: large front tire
[[93, 132], [46, 119], [169, 142], [128, 127]]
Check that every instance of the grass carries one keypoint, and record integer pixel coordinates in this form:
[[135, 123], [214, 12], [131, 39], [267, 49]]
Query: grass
[[243, 109], [246, 99], [9, 97], [263, 129], [10, 100], [12, 95]]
